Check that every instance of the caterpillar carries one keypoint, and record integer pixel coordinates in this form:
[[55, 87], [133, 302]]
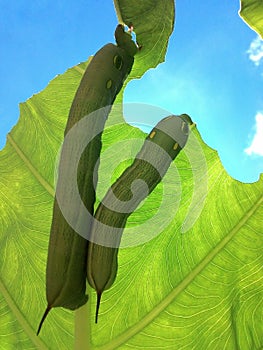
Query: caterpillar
[[161, 146], [67, 251]]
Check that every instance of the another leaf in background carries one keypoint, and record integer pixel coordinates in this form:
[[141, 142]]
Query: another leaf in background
[[251, 11]]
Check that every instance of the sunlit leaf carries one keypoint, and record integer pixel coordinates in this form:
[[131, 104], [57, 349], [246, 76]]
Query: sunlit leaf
[[251, 11], [191, 287]]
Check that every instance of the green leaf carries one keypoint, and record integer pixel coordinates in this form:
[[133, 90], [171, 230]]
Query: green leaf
[[199, 289], [196, 289], [251, 12], [152, 29]]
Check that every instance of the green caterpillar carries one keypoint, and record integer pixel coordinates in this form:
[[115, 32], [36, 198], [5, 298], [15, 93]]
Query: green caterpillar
[[161, 146], [67, 251]]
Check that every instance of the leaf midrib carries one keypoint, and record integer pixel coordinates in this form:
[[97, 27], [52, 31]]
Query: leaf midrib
[[30, 166], [21, 319]]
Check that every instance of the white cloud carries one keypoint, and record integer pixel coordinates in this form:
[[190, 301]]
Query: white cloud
[[256, 146], [255, 50]]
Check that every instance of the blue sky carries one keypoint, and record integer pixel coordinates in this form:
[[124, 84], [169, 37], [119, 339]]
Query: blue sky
[[213, 69]]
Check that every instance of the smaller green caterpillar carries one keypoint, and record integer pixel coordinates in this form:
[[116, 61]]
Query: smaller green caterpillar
[[160, 148]]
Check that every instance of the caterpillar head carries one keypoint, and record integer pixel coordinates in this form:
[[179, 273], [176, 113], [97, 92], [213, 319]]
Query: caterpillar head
[[124, 40], [171, 134]]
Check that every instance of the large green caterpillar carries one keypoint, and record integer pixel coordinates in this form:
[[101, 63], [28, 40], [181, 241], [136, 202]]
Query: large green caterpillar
[[161, 146], [67, 251]]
